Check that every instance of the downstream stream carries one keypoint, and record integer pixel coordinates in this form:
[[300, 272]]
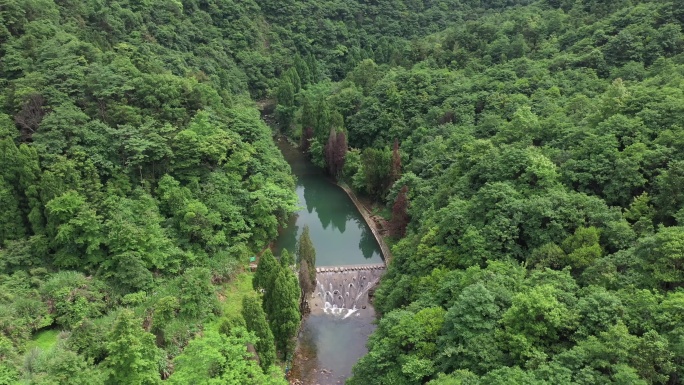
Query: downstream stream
[[329, 344]]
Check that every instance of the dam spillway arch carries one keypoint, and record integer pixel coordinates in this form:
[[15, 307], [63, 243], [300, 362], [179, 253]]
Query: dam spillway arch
[[344, 291]]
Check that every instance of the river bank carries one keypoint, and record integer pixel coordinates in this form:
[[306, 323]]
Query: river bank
[[374, 222]]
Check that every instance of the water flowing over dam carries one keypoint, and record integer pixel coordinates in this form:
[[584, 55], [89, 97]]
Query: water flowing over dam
[[344, 290]]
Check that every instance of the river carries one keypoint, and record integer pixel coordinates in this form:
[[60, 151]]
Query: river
[[328, 345]]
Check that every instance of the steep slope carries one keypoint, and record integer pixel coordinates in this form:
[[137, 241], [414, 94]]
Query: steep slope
[[540, 148]]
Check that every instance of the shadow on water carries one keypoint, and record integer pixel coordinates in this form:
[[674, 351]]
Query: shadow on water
[[338, 231]]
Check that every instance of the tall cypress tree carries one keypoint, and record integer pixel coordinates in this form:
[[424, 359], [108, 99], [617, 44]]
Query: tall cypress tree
[[133, 356], [340, 152], [286, 260], [307, 135], [285, 94], [302, 70], [286, 91], [266, 271], [308, 120], [306, 252], [335, 152], [255, 318], [330, 149], [312, 63], [400, 216], [11, 221], [306, 287], [322, 118], [294, 79], [283, 309], [308, 115]]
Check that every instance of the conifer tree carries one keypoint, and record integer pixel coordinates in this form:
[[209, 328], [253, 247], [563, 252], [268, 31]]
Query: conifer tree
[[340, 152], [294, 78], [285, 92], [265, 280], [305, 285], [266, 271], [302, 70], [286, 260], [255, 319], [11, 222], [283, 309], [307, 135], [312, 63], [133, 355], [308, 121], [330, 149], [322, 119], [308, 118], [335, 152], [400, 216], [307, 253]]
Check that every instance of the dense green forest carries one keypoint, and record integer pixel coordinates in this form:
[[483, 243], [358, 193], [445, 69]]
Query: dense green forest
[[531, 153], [536, 151], [136, 178]]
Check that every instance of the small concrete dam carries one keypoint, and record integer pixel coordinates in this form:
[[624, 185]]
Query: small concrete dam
[[343, 291]]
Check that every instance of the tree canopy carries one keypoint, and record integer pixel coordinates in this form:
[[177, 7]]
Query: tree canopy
[[530, 151]]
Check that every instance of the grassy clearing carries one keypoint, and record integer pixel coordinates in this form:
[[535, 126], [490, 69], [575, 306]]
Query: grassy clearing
[[231, 296], [44, 340], [235, 290]]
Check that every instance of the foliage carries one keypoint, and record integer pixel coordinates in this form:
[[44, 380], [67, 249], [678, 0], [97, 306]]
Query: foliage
[[61, 366], [306, 254], [266, 272], [400, 217], [282, 309], [221, 359], [255, 319], [134, 173], [539, 150], [287, 261], [541, 153], [132, 355]]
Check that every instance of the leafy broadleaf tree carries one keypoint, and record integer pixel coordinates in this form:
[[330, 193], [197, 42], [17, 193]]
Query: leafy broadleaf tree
[[221, 359], [197, 297], [77, 231], [61, 366], [663, 256]]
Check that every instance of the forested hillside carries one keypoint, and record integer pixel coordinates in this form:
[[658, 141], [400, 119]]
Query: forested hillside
[[532, 154], [539, 149], [136, 177]]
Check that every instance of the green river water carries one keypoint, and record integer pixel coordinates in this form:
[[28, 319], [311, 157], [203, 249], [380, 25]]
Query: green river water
[[328, 346]]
